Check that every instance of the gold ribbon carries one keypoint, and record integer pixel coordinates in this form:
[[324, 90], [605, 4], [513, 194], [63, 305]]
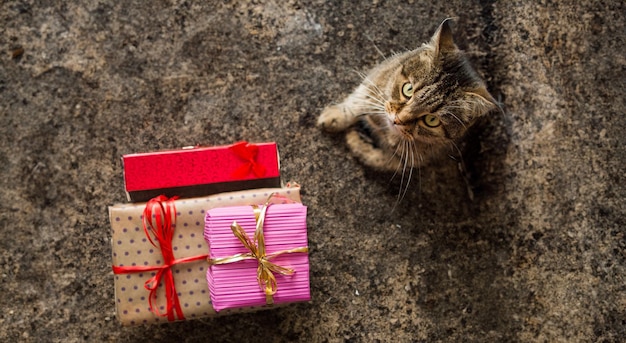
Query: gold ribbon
[[266, 269]]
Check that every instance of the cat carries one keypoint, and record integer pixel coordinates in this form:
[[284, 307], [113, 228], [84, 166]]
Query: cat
[[412, 107]]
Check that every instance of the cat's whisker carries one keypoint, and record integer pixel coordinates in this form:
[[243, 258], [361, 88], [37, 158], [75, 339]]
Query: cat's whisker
[[371, 95], [456, 147], [399, 168], [376, 113], [368, 98], [375, 46], [375, 100], [459, 120], [384, 129], [373, 104], [365, 77], [420, 157], [405, 157], [409, 152], [369, 105], [456, 117], [411, 148], [464, 172], [370, 109], [369, 89], [372, 87], [395, 154], [360, 73], [377, 92]]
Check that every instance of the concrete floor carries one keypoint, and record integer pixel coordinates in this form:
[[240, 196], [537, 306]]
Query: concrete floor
[[538, 255]]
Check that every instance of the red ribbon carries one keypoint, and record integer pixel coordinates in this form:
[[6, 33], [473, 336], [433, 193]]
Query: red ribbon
[[247, 152], [162, 227]]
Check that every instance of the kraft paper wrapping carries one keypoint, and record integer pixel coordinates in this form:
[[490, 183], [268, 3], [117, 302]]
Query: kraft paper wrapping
[[131, 247]]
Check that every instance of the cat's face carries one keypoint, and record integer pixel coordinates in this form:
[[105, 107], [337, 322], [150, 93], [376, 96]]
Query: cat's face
[[431, 95]]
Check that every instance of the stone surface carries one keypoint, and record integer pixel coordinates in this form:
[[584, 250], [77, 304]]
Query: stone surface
[[538, 255]]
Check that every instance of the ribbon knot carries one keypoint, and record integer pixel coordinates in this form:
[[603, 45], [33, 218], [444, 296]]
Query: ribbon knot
[[266, 268], [159, 218], [248, 153]]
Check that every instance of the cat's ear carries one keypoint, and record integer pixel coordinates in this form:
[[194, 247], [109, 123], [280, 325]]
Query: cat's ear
[[442, 40], [481, 101]]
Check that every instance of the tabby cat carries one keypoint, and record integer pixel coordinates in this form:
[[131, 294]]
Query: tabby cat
[[412, 107]]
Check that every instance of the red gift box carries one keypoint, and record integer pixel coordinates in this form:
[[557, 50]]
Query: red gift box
[[201, 171]]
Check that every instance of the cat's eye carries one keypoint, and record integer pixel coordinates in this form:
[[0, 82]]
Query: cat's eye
[[431, 120], [407, 90]]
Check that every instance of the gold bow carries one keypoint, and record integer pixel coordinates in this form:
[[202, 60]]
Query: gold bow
[[266, 268]]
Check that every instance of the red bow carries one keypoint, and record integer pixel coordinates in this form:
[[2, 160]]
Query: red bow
[[247, 152], [159, 217]]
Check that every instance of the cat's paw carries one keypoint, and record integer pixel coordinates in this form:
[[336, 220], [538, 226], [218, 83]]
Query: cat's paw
[[365, 150], [334, 119]]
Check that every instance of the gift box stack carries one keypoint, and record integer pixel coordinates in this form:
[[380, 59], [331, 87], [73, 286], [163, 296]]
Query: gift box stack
[[207, 230]]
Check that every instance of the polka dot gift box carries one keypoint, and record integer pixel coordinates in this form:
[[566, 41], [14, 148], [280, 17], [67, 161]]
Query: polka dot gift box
[[199, 171], [160, 269]]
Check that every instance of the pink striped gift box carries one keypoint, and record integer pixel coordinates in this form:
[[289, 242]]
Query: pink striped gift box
[[235, 284]]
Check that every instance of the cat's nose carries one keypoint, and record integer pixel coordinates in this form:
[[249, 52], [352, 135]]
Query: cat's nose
[[403, 118], [392, 110]]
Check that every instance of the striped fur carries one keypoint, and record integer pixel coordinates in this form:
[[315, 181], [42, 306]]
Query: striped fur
[[388, 130]]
